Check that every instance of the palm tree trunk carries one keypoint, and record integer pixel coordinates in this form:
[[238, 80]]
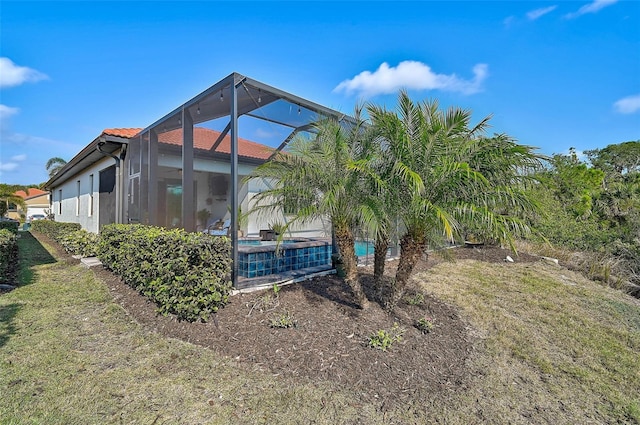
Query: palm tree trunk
[[380, 256], [379, 259], [412, 249], [345, 241]]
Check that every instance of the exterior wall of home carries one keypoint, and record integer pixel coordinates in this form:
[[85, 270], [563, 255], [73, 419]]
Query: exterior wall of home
[[217, 205], [71, 203], [263, 220], [38, 205], [14, 213], [71, 200]]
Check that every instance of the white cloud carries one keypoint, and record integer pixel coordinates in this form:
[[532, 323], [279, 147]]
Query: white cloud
[[628, 105], [579, 154], [508, 21], [535, 14], [411, 75], [13, 163], [7, 111], [14, 75], [8, 166], [593, 7], [16, 169]]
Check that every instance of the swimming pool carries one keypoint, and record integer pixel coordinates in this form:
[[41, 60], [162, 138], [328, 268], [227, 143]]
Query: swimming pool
[[259, 258], [364, 248], [258, 242]]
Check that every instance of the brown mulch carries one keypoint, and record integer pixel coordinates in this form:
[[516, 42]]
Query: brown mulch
[[330, 339]]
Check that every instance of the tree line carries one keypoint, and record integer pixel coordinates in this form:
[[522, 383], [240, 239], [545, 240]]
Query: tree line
[[593, 204], [8, 195]]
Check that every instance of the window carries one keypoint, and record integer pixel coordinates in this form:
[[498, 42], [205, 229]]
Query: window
[[60, 201], [78, 197], [90, 195]]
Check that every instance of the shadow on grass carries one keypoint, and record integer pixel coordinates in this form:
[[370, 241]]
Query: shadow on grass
[[7, 328], [31, 253]]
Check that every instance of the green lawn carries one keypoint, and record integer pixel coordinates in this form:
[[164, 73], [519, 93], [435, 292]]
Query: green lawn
[[554, 348]]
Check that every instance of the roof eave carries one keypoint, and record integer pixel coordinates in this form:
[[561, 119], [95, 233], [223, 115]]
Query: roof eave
[[68, 170]]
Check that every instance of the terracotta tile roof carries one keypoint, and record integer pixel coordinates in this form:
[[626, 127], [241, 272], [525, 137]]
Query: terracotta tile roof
[[32, 193], [121, 132], [204, 138]]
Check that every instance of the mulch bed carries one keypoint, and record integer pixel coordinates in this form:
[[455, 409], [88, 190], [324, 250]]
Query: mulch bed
[[329, 341]]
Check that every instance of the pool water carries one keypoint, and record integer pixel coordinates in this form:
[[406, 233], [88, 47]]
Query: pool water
[[363, 248], [256, 242]]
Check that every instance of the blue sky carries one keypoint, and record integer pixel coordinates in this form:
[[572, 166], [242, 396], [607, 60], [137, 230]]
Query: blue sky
[[554, 75]]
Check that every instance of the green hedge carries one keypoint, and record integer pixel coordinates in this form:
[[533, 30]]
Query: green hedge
[[8, 253], [56, 230], [186, 274], [69, 235], [80, 242], [9, 225]]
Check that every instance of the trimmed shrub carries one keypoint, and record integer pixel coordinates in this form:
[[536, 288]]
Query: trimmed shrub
[[9, 225], [80, 242], [186, 274], [8, 254], [54, 229]]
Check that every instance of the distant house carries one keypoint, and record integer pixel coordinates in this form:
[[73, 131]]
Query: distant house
[[36, 200]]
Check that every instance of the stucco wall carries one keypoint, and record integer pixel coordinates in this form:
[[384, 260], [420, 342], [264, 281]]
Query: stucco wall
[[64, 204], [263, 220], [68, 212]]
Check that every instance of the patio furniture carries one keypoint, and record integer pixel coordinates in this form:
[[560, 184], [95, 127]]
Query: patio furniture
[[219, 228]]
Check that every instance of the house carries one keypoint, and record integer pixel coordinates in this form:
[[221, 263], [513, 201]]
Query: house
[[36, 200], [186, 169]]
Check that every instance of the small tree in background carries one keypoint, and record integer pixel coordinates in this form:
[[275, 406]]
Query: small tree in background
[[54, 165], [8, 196]]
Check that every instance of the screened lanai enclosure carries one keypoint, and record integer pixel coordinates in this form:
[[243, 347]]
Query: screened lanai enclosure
[[186, 170]]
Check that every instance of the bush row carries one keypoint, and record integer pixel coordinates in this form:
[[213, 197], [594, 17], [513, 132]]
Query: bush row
[[186, 274], [9, 225], [8, 254], [80, 242], [69, 235], [54, 229]]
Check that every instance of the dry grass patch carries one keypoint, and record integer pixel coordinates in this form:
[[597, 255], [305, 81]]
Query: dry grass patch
[[599, 266], [559, 348]]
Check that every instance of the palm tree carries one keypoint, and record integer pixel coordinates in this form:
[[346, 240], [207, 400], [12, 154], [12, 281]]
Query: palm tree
[[448, 177], [54, 165], [321, 178], [379, 193], [8, 196]]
